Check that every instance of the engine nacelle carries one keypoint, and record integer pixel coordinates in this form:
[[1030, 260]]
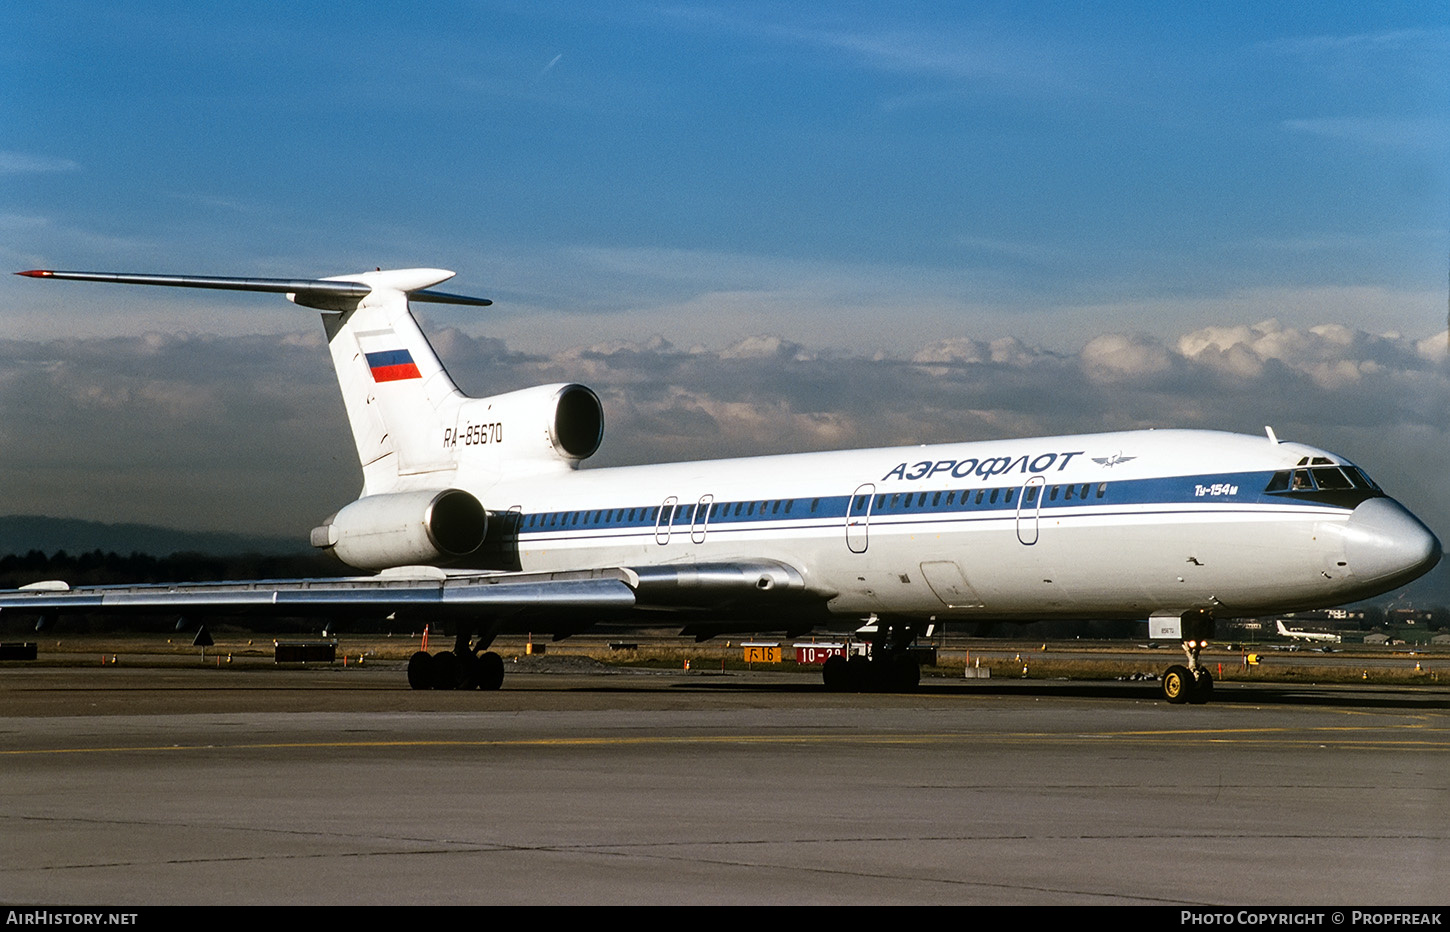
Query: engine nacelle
[[543, 424], [405, 529]]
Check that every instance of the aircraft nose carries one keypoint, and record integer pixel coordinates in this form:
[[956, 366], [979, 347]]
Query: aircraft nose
[[1385, 543]]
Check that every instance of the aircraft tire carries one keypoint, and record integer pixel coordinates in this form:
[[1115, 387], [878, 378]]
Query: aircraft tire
[[836, 674], [445, 670], [467, 675], [1202, 690], [1177, 684], [420, 670], [488, 670], [861, 676], [905, 674]]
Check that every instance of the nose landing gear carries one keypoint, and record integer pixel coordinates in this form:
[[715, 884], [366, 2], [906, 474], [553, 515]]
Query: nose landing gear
[[1191, 683], [1181, 684]]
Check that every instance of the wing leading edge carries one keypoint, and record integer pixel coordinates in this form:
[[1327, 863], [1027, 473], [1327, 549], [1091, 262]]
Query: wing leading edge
[[546, 601]]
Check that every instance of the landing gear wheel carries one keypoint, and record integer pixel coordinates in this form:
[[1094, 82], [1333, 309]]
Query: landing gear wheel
[[836, 674], [467, 670], [904, 674], [1177, 684], [1202, 689], [445, 670], [488, 670], [858, 670], [420, 670]]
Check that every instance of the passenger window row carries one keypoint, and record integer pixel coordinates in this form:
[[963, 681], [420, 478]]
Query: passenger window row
[[684, 514], [987, 497]]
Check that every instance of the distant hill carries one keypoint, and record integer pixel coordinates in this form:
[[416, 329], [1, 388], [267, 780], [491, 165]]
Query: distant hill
[[20, 534]]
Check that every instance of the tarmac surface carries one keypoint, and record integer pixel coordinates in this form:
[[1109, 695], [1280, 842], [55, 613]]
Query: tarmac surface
[[582, 784]]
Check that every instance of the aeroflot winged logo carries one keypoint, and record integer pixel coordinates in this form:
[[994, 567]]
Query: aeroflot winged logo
[[393, 366]]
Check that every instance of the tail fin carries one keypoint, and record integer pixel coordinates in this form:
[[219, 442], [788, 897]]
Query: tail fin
[[398, 396]]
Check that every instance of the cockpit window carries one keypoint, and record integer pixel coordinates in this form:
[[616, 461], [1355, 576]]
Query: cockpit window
[[1329, 477], [1360, 480], [1320, 480]]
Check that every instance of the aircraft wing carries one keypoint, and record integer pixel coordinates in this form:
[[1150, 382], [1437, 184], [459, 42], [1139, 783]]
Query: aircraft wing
[[562, 602]]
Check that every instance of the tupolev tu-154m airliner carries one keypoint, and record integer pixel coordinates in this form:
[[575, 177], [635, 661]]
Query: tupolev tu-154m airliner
[[474, 513]]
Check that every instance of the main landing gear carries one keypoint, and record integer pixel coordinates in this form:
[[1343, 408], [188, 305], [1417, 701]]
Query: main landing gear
[[464, 667], [1191, 683], [892, 665], [858, 674]]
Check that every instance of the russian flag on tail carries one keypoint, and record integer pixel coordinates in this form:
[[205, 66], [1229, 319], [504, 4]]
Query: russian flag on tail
[[393, 366]]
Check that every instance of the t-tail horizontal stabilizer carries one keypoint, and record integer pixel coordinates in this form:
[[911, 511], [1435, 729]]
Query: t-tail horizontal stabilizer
[[326, 294]]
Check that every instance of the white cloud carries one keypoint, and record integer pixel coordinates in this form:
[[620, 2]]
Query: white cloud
[[1435, 349], [22, 163], [1332, 355], [1406, 132], [1116, 357]]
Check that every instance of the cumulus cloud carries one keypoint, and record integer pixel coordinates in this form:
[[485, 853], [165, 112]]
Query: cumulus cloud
[[1332, 355], [1117, 357], [1434, 349]]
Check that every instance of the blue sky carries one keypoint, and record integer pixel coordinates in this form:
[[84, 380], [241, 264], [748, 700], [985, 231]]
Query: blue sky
[[993, 162], [1110, 187]]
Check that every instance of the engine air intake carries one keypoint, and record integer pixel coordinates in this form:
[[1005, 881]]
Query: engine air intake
[[578, 426]]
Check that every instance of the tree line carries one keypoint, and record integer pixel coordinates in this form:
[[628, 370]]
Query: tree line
[[104, 568]]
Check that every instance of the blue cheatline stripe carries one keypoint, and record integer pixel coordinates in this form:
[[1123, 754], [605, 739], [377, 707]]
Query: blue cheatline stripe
[[1121, 497]]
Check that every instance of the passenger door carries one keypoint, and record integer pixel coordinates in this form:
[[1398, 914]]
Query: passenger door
[[858, 517], [1029, 509]]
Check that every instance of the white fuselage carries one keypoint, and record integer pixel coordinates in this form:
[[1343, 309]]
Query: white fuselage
[[1101, 525]]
